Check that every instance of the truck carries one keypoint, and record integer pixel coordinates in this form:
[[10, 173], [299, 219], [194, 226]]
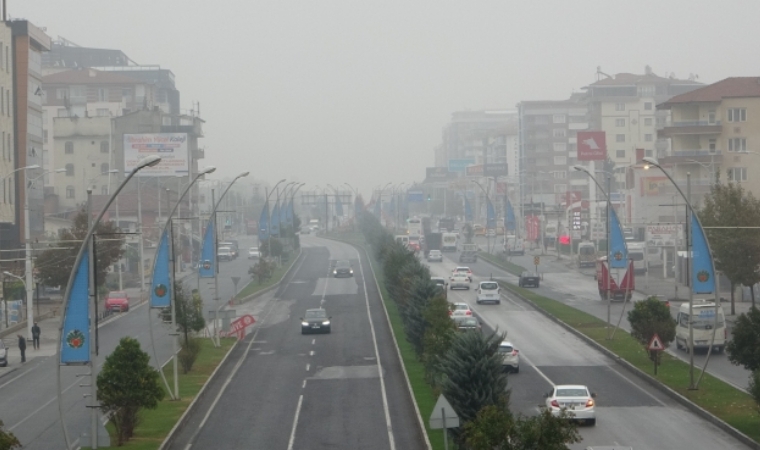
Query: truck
[[586, 254], [251, 227], [433, 241], [469, 253], [622, 290], [448, 242]]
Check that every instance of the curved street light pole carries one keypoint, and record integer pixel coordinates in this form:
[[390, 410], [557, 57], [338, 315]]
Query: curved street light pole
[[292, 196], [269, 220], [148, 161]]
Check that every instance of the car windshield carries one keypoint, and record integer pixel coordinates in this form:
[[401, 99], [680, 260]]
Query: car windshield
[[117, 294], [316, 314], [574, 392], [470, 322], [505, 348], [461, 306], [489, 286], [342, 264], [463, 269], [529, 274], [438, 281], [586, 250], [253, 249]]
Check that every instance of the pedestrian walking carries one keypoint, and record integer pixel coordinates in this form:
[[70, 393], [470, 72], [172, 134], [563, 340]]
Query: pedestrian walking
[[22, 347], [36, 336]]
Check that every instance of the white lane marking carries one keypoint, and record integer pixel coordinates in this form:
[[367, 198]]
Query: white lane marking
[[43, 406], [295, 423], [308, 366], [313, 341], [391, 439], [303, 386], [311, 353]]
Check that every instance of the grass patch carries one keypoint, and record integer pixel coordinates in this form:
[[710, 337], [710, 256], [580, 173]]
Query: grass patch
[[254, 286], [155, 424], [731, 405], [502, 263]]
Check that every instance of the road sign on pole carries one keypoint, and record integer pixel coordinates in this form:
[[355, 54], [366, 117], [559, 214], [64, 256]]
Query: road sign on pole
[[536, 260], [443, 417], [655, 347]]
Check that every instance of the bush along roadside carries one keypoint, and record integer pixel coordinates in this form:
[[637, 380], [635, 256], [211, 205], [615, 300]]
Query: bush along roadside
[[465, 367]]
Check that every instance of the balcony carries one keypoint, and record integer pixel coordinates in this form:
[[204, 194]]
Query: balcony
[[690, 156], [690, 127]]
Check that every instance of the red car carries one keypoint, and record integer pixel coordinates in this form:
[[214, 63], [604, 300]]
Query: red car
[[117, 301]]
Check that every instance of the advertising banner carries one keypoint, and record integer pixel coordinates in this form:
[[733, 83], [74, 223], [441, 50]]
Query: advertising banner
[[474, 171], [160, 293], [415, 196], [652, 185], [510, 223], [459, 165], [618, 254], [490, 215], [438, 174], [592, 146], [495, 169], [264, 223], [664, 235], [702, 275], [75, 332], [274, 225], [171, 147], [206, 267]]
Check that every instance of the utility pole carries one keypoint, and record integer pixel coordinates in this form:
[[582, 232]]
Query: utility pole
[[93, 329]]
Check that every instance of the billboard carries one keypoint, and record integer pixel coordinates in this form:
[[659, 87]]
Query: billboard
[[460, 165], [415, 196], [474, 171], [652, 185], [664, 235], [592, 146], [437, 174], [495, 169], [171, 147]]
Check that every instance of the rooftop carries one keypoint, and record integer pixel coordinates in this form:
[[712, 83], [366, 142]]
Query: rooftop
[[88, 76], [728, 88]]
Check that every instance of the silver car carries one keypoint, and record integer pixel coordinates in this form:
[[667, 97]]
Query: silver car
[[435, 255], [510, 357], [459, 281], [576, 399]]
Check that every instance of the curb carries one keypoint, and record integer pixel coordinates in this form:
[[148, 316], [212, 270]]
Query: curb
[[693, 407], [181, 422]]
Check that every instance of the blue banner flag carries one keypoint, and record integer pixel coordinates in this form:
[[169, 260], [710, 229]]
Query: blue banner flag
[[702, 275], [289, 214], [490, 215], [338, 206], [510, 223], [264, 223], [275, 222], [161, 286], [75, 333], [206, 267], [467, 210], [618, 253]]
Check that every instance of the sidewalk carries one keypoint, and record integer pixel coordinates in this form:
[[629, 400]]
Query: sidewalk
[[48, 342]]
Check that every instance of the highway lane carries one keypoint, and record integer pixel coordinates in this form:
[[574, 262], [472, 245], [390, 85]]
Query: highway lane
[[628, 411], [579, 290], [284, 390], [28, 396]]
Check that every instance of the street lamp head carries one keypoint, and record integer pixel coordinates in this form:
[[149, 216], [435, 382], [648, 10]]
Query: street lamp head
[[244, 174], [148, 161], [8, 273], [33, 166], [650, 162], [61, 170], [208, 170], [580, 169]]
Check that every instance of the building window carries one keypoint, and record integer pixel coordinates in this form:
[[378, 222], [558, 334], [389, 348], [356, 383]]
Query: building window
[[648, 122], [737, 174], [712, 145], [560, 174], [737, 145], [69, 148], [619, 122], [560, 147], [102, 112], [619, 153], [104, 168], [69, 170], [649, 137], [648, 106], [60, 94], [69, 191], [560, 160], [102, 95], [619, 138], [103, 146], [648, 152], [711, 116], [558, 118], [737, 115], [619, 106], [560, 132], [103, 190]]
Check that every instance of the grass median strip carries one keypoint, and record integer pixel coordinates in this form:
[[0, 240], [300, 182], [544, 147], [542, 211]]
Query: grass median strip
[[731, 405], [155, 424], [510, 267], [254, 286]]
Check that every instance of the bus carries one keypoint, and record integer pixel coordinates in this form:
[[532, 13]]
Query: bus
[[446, 224], [414, 226]]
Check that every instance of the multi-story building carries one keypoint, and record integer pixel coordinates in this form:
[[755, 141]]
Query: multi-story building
[[7, 133], [463, 136], [29, 42]]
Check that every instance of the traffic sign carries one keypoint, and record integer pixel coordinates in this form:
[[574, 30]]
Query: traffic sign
[[655, 345], [536, 260], [443, 415]]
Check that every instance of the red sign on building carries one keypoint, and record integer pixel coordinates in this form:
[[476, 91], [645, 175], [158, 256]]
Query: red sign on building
[[532, 228], [592, 146]]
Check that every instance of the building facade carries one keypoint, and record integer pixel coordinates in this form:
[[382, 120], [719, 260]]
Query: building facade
[[7, 133]]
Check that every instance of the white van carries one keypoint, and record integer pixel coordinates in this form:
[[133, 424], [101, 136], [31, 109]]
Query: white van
[[703, 325], [514, 246]]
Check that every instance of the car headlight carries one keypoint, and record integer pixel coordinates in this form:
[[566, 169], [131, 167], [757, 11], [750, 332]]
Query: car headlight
[[351, 271], [304, 324], [335, 272], [326, 322]]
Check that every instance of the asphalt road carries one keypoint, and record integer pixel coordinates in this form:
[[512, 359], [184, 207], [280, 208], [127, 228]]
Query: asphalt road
[[629, 412], [284, 390]]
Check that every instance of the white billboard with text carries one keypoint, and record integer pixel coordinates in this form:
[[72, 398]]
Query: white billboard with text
[[664, 235], [171, 147]]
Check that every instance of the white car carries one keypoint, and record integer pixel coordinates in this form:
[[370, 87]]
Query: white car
[[488, 291], [459, 310], [224, 254], [576, 399], [459, 281], [435, 255], [464, 270], [510, 357], [254, 253]]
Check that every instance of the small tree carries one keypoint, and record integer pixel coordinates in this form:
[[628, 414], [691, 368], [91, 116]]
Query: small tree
[[649, 317], [261, 271], [439, 333], [744, 347], [496, 428], [189, 314], [271, 247], [754, 387], [126, 384], [7, 440]]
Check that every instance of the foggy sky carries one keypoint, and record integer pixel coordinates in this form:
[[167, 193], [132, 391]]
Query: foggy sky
[[358, 91]]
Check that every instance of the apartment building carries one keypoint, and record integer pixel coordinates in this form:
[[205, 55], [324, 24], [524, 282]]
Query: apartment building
[[463, 136], [7, 133]]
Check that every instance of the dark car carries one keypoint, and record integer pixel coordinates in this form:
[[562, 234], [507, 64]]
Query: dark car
[[529, 279], [467, 323], [315, 321], [3, 354], [441, 284], [342, 268]]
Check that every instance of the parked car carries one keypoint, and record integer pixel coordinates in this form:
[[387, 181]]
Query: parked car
[[3, 354], [435, 255], [342, 269], [510, 357], [459, 281], [316, 321], [441, 283], [254, 253], [529, 279], [117, 301], [459, 309], [467, 323], [488, 291], [224, 254], [576, 399]]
